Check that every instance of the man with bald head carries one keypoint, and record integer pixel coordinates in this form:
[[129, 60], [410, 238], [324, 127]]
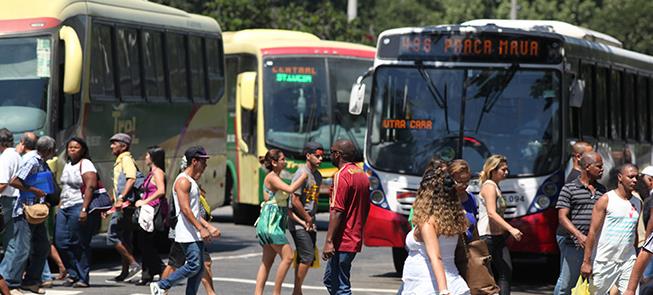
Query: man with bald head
[[575, 204], [577, 151], [350, 204], [26, 143], [611, 243]]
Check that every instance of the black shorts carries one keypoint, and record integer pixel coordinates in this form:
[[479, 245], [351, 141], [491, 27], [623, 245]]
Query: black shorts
[[177, 257], [305, 244]]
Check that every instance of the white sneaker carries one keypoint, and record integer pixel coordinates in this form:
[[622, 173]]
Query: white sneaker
[[156, 290], [15, 292]]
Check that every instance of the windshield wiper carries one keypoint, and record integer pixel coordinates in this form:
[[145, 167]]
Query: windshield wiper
[[492, 98], [440, 100]]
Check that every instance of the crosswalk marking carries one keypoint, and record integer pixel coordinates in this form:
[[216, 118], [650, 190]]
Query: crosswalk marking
[[305, 287]]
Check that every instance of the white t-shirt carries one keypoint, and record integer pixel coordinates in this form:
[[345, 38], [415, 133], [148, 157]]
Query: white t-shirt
[[71, 182], [9, 164], [185, 232]]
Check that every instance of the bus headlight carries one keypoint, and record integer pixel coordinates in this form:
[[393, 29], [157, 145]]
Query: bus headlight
[[374, 182], [377, 197], [542, 202], [550, 189]]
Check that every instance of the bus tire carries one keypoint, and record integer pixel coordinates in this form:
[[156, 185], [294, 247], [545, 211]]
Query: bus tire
[[399, 255], [228, 189], [244, 213]]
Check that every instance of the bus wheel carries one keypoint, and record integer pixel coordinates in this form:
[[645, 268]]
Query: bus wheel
[[228, 190], [399, 255], [244, 213]]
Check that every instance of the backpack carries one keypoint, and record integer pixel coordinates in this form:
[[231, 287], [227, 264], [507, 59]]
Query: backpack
[[137, 189]]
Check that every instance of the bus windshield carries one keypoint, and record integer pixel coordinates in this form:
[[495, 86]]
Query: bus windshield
[[24, 79], [307, 99], [420, 112]]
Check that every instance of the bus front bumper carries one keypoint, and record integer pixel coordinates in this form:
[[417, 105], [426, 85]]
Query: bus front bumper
[[385, 228], [539, 233]]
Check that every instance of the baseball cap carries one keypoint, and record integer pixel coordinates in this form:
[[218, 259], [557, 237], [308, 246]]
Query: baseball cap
[[311, 146], [648, 171], [195, 152], [122, 137]]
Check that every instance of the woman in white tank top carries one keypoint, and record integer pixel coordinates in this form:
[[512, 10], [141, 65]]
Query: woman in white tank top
[[492, 227], [439, 220]]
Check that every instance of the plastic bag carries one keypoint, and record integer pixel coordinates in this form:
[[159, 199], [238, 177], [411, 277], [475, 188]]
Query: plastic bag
[[582, 287]]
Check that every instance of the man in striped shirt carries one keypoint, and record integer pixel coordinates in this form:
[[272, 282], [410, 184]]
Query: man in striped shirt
[[575, 204]]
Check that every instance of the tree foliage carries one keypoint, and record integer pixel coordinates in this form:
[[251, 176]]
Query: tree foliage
[[626, 20]]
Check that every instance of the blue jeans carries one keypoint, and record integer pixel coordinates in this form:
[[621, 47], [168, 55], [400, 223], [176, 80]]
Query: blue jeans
[[73, 240], [29, 241], [192, 269], [337, 273], [571, 258], [7, 209]]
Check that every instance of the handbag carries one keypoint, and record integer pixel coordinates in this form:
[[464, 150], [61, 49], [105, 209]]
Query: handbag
[[101, 200], [36, 213], [473, 263]]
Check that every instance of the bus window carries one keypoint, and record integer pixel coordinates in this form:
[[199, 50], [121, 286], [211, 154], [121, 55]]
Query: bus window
[[197, 76], [102, 80], [215, 69], [231, 73], [629, 107], [129, 64], [177, 67], [601, 102], [643, 122], [155, 84], [587, 109], [615, 105]]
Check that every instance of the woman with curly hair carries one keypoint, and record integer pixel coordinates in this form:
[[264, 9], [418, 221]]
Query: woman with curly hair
[[439, 219]]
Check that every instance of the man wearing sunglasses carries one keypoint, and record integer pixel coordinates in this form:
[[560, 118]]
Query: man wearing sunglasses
[[350, 205]]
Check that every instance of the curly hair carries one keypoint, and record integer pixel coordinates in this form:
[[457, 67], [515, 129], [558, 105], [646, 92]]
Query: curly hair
[[436, 197]]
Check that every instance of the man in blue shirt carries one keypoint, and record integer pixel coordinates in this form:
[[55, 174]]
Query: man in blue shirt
[[29, 241]]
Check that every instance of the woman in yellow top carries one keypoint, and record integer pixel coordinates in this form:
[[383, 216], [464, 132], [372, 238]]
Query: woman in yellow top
[[273, 221], [492, 227]]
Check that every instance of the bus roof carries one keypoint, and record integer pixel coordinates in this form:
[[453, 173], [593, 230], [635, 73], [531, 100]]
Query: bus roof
[[284, 42], [551, 26], [15, 13]]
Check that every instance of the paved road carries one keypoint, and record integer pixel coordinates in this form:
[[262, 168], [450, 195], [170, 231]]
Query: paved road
[[236, 257]]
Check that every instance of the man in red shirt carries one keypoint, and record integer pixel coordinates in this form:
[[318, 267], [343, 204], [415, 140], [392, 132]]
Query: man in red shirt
[[350, 203]]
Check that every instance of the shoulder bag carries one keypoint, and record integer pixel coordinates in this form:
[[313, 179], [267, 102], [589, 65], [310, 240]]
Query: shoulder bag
[[473, 263], [101, 200]]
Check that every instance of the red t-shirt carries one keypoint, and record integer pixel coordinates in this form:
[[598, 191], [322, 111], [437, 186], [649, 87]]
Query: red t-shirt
[[351, 195]]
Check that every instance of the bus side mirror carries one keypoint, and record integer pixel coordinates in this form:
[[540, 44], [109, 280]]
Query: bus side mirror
[[73, 64], [246, 90], [576, 93], [357, 96]]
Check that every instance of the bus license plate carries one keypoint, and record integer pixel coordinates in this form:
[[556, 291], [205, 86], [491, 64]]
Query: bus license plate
[[514, 199]]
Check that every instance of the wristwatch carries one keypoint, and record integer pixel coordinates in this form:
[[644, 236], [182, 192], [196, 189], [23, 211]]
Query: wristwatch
[[83, 209]]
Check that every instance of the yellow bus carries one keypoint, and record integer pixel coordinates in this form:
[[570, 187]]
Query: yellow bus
[[96, 67], [285, 88]]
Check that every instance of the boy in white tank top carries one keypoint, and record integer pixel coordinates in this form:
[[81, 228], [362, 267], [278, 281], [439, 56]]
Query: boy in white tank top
[[609, 253]]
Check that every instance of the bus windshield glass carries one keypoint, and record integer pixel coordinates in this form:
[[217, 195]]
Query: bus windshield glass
[[470, 113], [307, 99], [24, 79]]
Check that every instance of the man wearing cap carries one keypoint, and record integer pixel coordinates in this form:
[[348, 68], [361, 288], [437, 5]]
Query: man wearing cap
[[304, 208], [121, 231], [189, 231]]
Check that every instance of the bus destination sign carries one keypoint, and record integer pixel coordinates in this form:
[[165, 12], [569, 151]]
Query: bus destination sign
[[477, 47], [294, 74]]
